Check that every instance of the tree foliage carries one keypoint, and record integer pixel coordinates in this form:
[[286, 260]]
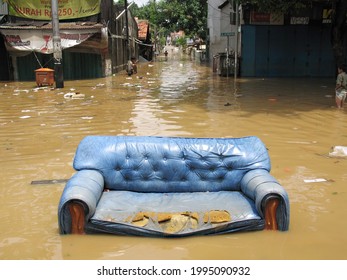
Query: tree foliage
[[175, 15], [277, 5]]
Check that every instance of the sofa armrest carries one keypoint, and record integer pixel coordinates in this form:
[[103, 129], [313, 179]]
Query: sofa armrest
[[271, 199], [78, 200]]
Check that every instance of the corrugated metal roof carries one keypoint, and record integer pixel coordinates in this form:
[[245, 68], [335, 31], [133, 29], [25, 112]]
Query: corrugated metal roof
[[143, 26]]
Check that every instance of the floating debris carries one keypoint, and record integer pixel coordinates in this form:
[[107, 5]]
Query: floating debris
[[302, 142], [42, 88], [339, 151], [127, 84], [46, 182], [21, 90], [317, 180], [74, 95]]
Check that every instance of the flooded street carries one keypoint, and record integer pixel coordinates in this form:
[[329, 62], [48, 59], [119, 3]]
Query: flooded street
[[295, 118]]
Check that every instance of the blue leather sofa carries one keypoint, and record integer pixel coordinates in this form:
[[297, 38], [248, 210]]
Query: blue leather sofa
[[171, 186]]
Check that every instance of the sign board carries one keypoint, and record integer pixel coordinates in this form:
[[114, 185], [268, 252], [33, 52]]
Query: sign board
[[41, 9], [266, 18], [327, 13], [223, 34]]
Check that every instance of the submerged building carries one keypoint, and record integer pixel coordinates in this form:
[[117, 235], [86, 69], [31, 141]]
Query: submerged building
[[93, 37], [295, 44]]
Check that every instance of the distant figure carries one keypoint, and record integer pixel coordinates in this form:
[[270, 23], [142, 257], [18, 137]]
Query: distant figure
[[131, 66], [134, 62], [166, 54], [341, 86]]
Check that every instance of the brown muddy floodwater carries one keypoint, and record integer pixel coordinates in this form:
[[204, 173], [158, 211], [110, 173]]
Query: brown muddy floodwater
[[296, 119]]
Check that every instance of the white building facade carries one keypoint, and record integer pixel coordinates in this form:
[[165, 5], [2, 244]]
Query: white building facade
[[224, 32]]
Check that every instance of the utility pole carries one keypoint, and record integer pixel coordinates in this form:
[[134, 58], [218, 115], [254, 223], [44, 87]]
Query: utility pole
[[234, 4], [127, 30], [237, 38], [57, 50]]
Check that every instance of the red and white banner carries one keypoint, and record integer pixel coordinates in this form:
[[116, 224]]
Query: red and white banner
[[42, 40]]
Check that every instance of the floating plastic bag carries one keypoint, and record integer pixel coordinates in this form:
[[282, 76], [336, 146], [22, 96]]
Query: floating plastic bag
[[339, 151], [74, 95]]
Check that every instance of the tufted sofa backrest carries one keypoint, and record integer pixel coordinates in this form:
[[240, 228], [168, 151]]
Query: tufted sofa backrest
[[171, 164]]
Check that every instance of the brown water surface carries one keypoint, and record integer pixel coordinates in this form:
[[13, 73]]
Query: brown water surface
[[296, 119]]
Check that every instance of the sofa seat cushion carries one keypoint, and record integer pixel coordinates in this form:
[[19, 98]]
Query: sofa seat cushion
[[174, 214]]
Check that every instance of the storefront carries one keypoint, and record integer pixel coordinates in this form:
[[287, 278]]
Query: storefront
[[92, 41], [31, 47]]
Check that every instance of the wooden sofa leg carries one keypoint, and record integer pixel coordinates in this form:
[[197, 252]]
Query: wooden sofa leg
[[270, 213], [77, 218]]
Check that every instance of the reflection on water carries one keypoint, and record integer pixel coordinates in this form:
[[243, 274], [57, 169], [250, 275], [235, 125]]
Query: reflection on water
[[296, 119]]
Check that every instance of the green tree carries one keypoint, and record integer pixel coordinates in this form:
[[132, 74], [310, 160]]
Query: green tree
[[276, 6], [175, 15]]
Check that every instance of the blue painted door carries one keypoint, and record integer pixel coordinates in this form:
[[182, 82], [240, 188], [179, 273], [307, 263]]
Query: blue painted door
[[286, 51]]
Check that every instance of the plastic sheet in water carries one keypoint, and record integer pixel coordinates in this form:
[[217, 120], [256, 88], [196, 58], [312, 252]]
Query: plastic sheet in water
[[339, 151]]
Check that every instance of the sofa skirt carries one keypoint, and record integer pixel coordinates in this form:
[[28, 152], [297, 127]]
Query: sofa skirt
[[174, 214]]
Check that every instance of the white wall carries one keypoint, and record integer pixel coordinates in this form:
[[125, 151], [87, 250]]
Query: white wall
[[218, 21]]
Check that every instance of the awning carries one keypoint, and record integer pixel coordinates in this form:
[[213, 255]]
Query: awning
[[29, 38]]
